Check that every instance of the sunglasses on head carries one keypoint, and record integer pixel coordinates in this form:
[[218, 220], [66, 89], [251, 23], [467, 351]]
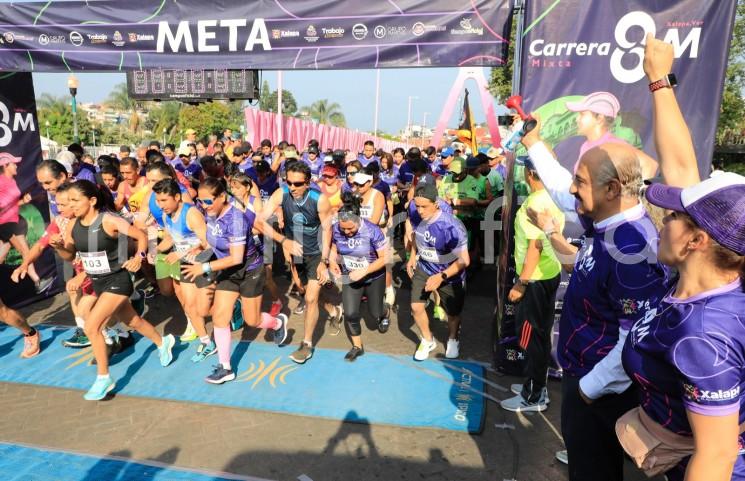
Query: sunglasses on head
[[206, 201], [296, 184]]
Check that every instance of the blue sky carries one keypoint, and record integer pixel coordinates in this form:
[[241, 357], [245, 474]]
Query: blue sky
[[354, 90]]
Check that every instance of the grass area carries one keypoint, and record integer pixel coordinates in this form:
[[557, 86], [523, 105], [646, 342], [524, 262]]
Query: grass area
[[737, 168]]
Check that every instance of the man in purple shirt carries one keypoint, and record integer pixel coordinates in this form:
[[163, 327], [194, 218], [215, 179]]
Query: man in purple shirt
[[368, 154], [616, 280]]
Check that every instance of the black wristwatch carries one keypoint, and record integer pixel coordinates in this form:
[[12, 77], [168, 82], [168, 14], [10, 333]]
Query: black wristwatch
[[444, 276], [325, 261]]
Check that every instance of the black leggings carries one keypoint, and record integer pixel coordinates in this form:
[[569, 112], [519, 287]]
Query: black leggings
[[351, 297]]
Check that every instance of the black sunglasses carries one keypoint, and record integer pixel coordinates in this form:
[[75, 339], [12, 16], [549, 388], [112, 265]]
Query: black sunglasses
[[296, 184]]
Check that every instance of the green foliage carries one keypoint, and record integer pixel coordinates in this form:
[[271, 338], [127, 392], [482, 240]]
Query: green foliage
[[264, 97], [325, 112], [500, 83], [289, 105], [208, 117], [732, 117], [58, 112]]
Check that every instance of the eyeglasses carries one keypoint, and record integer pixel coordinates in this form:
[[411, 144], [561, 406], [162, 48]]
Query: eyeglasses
[[326, 176], [296, 184], [206, 201]]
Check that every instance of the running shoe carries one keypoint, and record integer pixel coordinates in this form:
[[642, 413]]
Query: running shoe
[[425, 347], [100, 388], [452, 351], [44, 284], [204, 351], [280, 334], [236, 322], [276, 308], [150, 291], [300, 307], [519, 404], [383, 325], [439, 314], [354, 353], [303, 353], [518, 389], [78, 339], [335, 321], [562, 456], [166, 350], [220, 375], [190, 334], [31, 345]]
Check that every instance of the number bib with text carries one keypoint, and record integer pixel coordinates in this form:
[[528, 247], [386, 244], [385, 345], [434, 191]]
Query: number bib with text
[[95, 263]]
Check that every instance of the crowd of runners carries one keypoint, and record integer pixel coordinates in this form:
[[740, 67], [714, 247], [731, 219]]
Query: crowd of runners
[[652, 338]]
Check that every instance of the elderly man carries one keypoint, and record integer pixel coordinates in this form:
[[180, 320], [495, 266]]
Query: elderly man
[[615, 280]]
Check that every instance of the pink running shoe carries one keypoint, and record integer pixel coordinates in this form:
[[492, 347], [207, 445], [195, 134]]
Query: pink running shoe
[[31, 345], [276, 308]]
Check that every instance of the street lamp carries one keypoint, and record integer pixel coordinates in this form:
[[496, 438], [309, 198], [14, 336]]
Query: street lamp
[[93, 131], [72, 84], [408, 119]]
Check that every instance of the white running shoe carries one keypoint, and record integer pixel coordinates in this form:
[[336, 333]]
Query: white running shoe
[[425, 347], [562, 456], [518, 404], [453, 349], [518, 389]]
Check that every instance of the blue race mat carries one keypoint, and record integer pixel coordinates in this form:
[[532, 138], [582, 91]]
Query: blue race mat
[[24, 463], [376, 389]]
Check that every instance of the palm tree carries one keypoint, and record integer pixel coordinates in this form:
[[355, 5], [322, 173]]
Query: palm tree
[[325, 112], [52, 104], [119, 99]]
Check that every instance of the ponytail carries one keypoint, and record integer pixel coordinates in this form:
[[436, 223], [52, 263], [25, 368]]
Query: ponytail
[[350, 208]]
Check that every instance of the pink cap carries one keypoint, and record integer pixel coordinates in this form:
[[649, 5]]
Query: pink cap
[[6, 158], [604, 103]]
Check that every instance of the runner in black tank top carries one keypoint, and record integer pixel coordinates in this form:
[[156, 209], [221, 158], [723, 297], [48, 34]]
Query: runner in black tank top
[[96, 236], [307, 235]]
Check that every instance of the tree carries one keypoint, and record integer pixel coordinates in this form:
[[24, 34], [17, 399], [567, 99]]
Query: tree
[[164, 115], [208, 117], [500, 83], [325, 112], [732, 117], [264, 97], [119, 99], [58, 112]]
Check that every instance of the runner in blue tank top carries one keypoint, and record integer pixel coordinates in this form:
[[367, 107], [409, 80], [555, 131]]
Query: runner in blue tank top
[[185, 234], [239, 273], [358, 255], [307, 237]]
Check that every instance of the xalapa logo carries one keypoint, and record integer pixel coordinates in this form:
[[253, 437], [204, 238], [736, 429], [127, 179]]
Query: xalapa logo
[[627, 56], [21, 121]]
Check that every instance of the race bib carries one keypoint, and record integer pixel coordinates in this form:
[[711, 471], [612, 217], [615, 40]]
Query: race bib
[[353, 263], [183, 246], [429, 254], [95, 263], [366, 212]]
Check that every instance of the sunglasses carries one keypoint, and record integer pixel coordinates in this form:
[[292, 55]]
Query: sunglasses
[[206, 201], [326, 176], [296, 184]]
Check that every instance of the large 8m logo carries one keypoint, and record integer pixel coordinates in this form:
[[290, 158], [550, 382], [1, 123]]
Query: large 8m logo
[[19, 121], [632, 20]]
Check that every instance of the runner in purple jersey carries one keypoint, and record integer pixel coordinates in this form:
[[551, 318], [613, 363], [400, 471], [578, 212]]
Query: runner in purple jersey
[[314, 161], [439, 265], [238, 272], [687, 356], [358, 256]]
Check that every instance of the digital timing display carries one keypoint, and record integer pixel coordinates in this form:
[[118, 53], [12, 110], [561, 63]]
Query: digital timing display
[[160, 84]]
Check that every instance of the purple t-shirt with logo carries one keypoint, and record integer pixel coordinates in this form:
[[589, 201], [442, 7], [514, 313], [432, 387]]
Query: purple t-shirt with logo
[[690, 354], [438, 243], [390, 177], [360, 250], [267, 188], [315, 167], [191, 170], [415, 218], [616, 280], [233, 228], [365, 161]]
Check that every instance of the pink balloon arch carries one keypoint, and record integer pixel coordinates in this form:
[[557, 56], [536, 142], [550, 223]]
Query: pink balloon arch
[[263, 125]]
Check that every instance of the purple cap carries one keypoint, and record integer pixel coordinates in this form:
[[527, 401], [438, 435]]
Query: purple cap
[[717, 205], [604, 103]]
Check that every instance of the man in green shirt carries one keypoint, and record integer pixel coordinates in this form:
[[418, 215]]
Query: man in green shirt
[[534, 294]]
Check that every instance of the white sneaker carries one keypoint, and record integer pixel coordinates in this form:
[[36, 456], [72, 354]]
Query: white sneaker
[[453, 349], [519, 404], [562, 456], [390, 296], [425, 347], [518, 389]]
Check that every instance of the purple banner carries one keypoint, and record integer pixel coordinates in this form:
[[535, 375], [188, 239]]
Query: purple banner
[[292, 34], [601, 49], [19, 136]]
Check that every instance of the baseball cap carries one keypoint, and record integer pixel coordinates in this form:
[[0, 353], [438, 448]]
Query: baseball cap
[[190, 131], [291, 154], [494, 152], [717, 205], [448, 152], [184, 151], [262, 166], [66, 158], [525, 161], [329, 170], [456, 166], [338, 156], [604, 103], [428, 190], [6, 158], [362, 178], [471, 162], [313, 150]]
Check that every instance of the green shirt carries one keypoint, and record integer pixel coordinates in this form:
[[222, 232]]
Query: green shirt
[[496, 182], [468, 188], [548, 265]]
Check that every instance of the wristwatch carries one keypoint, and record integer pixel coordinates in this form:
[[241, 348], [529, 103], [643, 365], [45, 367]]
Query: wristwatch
[[668, 81], [325, 261], [523, 283], [444, 276]]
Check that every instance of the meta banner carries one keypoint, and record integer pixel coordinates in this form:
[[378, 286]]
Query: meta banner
[[140, 34], [19, 136], [602, 49]]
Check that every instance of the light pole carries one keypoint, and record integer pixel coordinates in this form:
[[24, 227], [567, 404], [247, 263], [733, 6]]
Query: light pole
[[47, 125], [72, 84], [408, 119], [93, 131], [243, 133], [424, 126]]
